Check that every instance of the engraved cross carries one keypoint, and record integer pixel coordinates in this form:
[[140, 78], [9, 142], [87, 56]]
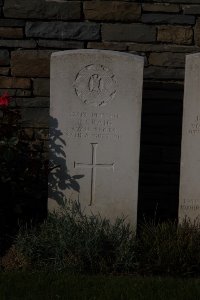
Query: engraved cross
[[93, 166]]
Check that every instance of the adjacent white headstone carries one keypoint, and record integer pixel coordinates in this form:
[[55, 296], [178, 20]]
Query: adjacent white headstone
[[96, 101], [189, 198]]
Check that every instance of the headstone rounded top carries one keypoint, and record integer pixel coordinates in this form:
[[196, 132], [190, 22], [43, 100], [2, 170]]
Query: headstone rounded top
[[98, 52], [193, 55]]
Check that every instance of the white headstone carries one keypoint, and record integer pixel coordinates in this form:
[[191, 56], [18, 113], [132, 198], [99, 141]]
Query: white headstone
[[96, 101], [189, 196]]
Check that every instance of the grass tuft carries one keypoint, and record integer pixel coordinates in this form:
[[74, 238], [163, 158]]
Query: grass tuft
[[169, 249], [73, 242]]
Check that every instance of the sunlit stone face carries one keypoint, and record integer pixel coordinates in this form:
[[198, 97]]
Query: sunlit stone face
[[95, 124]]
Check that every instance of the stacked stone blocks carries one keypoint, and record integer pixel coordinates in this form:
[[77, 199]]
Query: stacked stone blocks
[[162, 31]]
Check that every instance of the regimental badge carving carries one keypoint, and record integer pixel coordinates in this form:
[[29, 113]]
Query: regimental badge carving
[[95, 85]]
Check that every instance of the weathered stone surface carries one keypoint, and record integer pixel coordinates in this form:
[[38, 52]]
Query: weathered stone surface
[[96, 98], [155, 72], [128, 32], [178, 1], [33, 102], [175, 34], [23, 93], [12, 23], [168, 19], [16, 92], [63, 30], [55, 44], [197, 32], [167, 59], [4, 57], [4, 71], [111, 11], [12, 83], [107, 46], [27, 44], [35, 117], [161, 7], [189, 195], [41, 9], [191, 9], [41, 87], [162, 48], [9, 32], [30, 63]]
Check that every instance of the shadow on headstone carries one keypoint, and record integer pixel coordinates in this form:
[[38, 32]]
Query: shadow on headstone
[[59, 177]]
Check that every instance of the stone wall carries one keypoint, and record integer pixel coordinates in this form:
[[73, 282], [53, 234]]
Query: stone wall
[[162, 31]]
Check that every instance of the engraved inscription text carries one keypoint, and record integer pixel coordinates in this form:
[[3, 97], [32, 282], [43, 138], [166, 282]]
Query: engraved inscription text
[[93, 125]]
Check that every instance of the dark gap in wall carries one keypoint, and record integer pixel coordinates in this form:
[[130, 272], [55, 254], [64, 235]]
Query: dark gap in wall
[[160, 151]]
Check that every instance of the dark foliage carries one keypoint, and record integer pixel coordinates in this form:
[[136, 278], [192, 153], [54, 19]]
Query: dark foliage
[[23, 176]]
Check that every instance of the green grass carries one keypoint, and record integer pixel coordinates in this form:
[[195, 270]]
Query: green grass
[[75, 243], [72, 241], [52, 286]]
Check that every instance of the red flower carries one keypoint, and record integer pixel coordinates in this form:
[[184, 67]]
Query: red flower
[[4, 99]]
